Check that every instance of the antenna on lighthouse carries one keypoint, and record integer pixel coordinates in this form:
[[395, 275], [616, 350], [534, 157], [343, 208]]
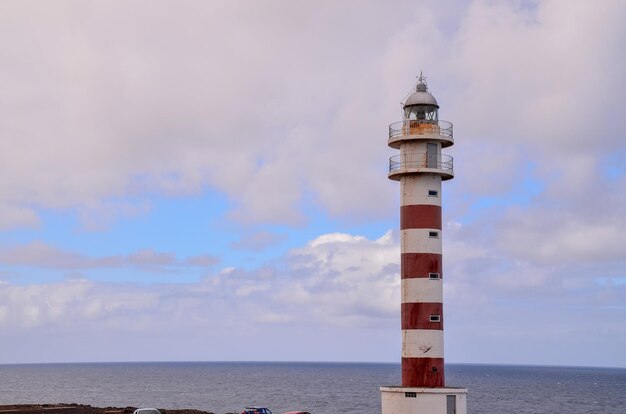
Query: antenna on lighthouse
[[421, 78]]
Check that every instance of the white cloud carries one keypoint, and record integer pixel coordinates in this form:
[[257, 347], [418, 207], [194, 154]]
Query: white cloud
[[258, 241], [551, 237], [251, 288], [276, 109], [273, 108], [340, 285], [98, 216], [238, 100], [334, 276], [42, 255], [12, 216]]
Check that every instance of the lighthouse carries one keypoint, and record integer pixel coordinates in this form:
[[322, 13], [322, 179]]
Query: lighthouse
[[421, 167]]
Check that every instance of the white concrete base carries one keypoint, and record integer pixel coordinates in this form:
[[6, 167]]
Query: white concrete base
[[400, 400]]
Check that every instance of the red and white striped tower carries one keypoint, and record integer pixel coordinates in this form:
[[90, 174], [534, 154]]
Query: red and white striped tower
[[421, 167]]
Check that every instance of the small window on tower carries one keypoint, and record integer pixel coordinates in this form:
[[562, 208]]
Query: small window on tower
[[433, 276], [410, 395], [435, 318], [433, 234], [433, 193]]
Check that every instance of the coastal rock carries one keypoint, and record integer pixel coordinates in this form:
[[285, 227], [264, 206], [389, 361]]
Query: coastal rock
[[73, 408]]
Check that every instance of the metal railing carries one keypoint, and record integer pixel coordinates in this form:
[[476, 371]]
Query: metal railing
[[420, 127], [416, 160]]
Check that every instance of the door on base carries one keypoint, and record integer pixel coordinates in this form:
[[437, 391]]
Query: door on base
[[451, 404]]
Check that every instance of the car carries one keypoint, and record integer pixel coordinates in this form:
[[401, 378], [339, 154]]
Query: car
[[146, 411], [256, 410], [297, 412]]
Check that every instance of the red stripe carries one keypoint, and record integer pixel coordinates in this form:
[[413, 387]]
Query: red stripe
[[415, 265], [417, 315], [423, 372], [420, 216]]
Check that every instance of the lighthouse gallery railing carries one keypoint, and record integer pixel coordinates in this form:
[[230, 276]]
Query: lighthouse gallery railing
[[420, 127], [415, 160]]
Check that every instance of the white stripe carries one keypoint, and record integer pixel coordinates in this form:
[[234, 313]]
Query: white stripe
[[422, 343], [419, 241], [422, 290], [414, 189]]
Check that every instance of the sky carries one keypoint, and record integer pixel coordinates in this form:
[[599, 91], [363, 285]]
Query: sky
[[207, 181]]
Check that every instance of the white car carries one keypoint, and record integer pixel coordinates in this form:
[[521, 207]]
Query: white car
[[146, 411]]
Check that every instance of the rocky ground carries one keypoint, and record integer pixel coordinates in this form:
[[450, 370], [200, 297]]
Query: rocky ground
[[81, 409]]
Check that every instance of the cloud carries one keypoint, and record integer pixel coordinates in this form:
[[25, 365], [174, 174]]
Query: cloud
[[258, 241], [336, 274], [551, 237], [202, 260], [295, 106], [346, 287], [94, 110], [278, 105], [98, 216], [331, 277], [12, 216], [42, 255]]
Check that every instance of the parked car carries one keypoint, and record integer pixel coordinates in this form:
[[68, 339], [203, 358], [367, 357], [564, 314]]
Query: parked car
[[146, 411], [256, 410]]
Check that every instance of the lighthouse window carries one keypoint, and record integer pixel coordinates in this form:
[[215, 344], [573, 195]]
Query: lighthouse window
[[433, 234], [410, 395], [433, 276], [433, 193], [435, 318]]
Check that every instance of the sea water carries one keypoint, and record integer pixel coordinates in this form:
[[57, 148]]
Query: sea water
[[321, 388]]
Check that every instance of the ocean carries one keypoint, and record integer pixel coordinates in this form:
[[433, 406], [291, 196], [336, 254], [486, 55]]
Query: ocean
[[321, 388]]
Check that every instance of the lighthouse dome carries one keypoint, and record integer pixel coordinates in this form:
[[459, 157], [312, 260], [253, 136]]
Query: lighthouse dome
[[421, 105], [421, 96]]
